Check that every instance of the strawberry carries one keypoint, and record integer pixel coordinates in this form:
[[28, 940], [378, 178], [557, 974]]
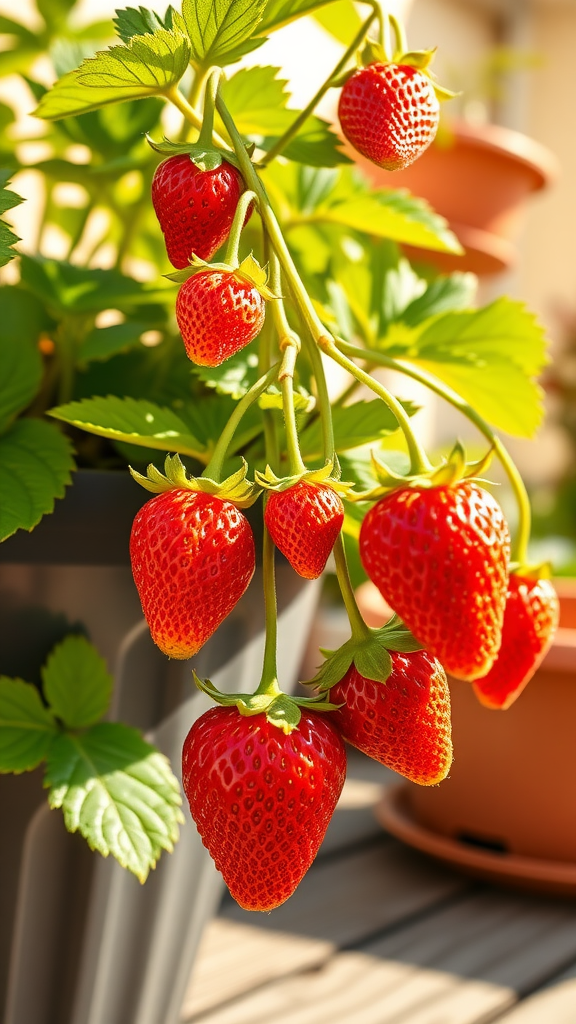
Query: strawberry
[[218, 313], [530, 622], [390, 113], [195, 208], [403, 722], [439, 557], [192, 559], [262, 799], [304, 522]]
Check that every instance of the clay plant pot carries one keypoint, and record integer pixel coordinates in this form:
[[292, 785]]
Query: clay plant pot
[[479, 178], [507, 811]]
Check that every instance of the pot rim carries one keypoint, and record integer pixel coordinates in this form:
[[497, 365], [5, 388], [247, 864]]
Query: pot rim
[[512, 145]]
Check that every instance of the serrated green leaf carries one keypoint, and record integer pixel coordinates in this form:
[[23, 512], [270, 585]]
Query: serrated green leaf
[[8, 200], [66, 288], [393, 214], [354, 425], [148, 65], [488, 356], [104, 342], [443, 295], [35, 465], [132, 420], [76, 683], [257, 100], [218, 28], [315, 145], [234, 377], [281, 12], [20, 374], [27, 729], [137, 21], [118, 791]]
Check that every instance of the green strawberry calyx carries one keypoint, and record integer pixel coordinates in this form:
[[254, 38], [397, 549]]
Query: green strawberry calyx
[[451, 471], [373, 52], [369, 652], [248, 270], [280, 709], [270, 482], [236, 488], [531, 570], [205, 158]]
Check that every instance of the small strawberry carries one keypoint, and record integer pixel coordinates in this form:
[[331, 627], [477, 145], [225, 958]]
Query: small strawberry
[[218, 312], [304, 522], [439, 557], [262, 799], [530, 622], [403, 722], [389, 112], [192, 559], [195, 207]]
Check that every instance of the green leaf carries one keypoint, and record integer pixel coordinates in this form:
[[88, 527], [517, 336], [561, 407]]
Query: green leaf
[[148, 65], [234, 377], [132, 420], [104, 342], [20, 374], [315, 145], [281, 12], [138, 21], [488, 356], [442, 295], [27, 728], [393, 214], [35, 466], [354, 425], [118, 792], [76, 683], [8, 200], [219, 28], [66, 288], [257, 100], [340, 19]]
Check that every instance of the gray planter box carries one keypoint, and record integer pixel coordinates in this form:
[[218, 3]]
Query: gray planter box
[[81, 941]]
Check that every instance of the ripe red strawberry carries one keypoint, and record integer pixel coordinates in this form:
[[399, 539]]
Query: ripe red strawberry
[[192, 559], [390, 113], [404, 722], [530, 622], [218, 313], [439, 556], [195, 208], [304, 522], [261, 799]]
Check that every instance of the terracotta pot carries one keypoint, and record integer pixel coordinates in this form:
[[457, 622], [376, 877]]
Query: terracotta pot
[[508, 808], [479, 178]]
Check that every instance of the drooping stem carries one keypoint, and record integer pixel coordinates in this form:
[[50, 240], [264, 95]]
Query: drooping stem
[[245, 201], [281, 143], [357, 624], [418, 459], [192, 116], [194, 97], [264, 358], [269, 680], [289, 345], [399, 32], [520, 545], [214, 468]]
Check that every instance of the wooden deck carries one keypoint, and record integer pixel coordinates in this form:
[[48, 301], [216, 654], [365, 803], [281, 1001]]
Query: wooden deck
[[378, 934]]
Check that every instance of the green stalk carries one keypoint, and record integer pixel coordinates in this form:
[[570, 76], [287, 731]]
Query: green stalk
[[214, 468], [520, 545], [264, 358], [359, 628], [418, 459], [289, 345], [245, 201], [269, 680], [192, 116], [303, 116], [194, 97]]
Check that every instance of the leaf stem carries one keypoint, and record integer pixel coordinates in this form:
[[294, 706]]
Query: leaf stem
[[214, 468], [359, 628], [520, 545], [303, 116], [244, 203]]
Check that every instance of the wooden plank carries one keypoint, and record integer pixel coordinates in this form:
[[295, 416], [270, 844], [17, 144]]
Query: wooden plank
[[555, 1004], [339, 902]]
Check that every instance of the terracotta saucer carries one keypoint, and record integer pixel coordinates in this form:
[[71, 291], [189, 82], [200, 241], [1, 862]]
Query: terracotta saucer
[[556, 877]]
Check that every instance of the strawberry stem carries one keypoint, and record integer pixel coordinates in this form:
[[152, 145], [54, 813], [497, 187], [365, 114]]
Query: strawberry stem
[[269, 680], [175, 97], [244, 203], [289, 345], [281, 143], [359, 628], [400, 34], [214, 468], [520, 545]]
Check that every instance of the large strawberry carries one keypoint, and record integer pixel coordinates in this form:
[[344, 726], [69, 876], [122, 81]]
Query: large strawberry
[[304, 521], [530, 622], [219, 312], [195, 207], [262, 799], [403, 722], [439, 556], [389, 112], [192, 559]]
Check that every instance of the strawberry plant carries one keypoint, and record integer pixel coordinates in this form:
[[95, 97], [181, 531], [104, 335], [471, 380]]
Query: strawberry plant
[[286, 262]]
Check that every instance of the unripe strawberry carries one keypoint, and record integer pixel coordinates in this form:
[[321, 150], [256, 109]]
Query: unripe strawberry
[[218, 313], [195, 208], [390, 113]]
